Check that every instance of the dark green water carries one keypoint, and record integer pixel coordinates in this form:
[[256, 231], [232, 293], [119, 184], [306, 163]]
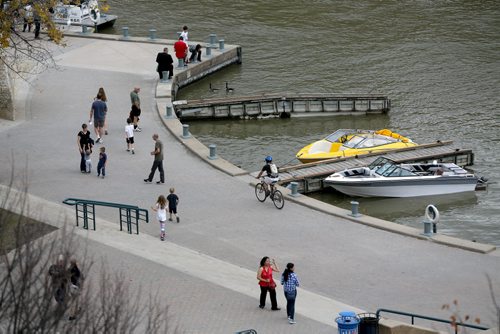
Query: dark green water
[[439, 62]]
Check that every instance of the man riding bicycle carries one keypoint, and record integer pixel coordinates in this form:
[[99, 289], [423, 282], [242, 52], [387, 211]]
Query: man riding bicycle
[[272, 175]]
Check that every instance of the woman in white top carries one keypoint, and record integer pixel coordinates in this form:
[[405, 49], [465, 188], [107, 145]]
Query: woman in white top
[[161, 213]]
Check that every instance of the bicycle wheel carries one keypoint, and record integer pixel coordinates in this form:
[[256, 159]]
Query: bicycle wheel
[[260, 192], [278, 199]]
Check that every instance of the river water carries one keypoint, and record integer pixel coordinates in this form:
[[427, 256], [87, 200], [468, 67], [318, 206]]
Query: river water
[[438, 61]]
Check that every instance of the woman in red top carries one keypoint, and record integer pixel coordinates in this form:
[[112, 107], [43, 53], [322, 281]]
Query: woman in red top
[[266, 282]]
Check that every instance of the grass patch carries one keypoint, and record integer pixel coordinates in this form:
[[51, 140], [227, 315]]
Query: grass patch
[[16, 230]]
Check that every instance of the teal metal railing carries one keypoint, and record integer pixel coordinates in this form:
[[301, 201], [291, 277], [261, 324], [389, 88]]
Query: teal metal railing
[[413, 316], [129, 215]]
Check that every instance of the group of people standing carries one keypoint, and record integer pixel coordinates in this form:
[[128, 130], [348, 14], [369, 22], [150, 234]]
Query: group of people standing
[[289, 280], [181, 49], [30, 16]]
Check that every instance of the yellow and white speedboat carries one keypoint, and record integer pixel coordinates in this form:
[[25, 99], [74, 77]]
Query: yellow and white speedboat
[[348, 142]]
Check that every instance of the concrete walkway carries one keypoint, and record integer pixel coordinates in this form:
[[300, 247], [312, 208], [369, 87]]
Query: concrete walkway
[[224, 231]]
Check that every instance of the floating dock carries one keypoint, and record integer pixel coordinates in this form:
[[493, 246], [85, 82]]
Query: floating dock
[[310, 176], [281, 105]]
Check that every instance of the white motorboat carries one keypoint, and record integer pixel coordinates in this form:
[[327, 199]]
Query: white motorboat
[[386, 178], [87, 13]]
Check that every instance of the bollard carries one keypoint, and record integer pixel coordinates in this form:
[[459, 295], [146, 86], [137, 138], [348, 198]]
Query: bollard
[[152, 33], [125, 32], [427, 228], [213, 151], [165, 75], [181, 63], [185, 131], [294, 186], [213, 39], [84, 29], [169, 112], [221, 44], [208, 51], [355, 209]]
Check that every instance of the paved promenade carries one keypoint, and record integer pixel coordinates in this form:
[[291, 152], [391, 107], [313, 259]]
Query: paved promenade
[[206, 267]]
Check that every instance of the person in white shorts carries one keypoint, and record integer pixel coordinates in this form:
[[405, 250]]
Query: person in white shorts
[[272, 175]]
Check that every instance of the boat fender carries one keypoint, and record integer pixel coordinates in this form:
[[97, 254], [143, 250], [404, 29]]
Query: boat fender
[[432, 214]]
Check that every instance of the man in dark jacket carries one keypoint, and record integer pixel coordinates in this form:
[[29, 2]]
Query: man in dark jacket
[[165, 63]]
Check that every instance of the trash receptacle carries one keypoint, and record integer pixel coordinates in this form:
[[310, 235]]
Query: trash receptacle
[[347, 322], [368, 323]]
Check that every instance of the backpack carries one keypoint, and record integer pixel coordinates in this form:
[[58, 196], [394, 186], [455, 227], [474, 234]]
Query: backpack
[[274, 170]]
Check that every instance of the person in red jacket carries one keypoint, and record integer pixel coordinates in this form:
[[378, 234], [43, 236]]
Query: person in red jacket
[[181, 48]]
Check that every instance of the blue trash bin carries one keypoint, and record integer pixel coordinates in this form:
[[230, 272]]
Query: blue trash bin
[[347, 322]]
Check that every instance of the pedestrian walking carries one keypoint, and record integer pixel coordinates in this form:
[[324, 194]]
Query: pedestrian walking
[[290, 283], [84, 143], [160, 208], [59, 281], [158, 161], [135, 111], [101, 94], [103, 160], [173, 201], [38, 23], [266, 282], [98, 111], [76, 279], [27, 17], [129, 135], [165, 63]]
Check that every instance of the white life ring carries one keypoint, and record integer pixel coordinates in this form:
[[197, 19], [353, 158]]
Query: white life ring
[[95, 14], [432, 214]]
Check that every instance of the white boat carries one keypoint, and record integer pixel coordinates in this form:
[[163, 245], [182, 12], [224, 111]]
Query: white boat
[[87, 13], [386, 178]]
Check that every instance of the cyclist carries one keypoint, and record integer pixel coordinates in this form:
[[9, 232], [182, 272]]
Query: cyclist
[[272, 175]]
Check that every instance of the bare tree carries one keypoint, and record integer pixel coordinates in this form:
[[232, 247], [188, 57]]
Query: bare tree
[[104, 304]]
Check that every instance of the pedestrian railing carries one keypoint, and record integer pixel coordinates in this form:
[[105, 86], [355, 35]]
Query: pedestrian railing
[[413, 316], [129, 215]]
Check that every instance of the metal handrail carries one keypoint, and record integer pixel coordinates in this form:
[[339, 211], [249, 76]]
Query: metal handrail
[[413, 316], [127, 218]]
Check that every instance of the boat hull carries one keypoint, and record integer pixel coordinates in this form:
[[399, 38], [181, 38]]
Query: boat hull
[[403, 187]]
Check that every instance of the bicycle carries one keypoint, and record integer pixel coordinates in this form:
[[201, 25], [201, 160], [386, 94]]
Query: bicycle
[[275, 194]]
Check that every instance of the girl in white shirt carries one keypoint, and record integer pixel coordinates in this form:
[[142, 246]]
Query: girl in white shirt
[[161, 208]]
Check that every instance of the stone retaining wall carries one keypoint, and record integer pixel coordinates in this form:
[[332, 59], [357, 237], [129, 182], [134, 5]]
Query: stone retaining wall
[[6, 94]]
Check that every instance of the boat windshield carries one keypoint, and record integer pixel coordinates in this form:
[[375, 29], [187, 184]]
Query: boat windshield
[[334, 137], [389, 168], [368, 141]]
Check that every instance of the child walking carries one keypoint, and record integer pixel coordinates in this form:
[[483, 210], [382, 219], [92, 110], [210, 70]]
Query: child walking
[[88, 160], [129, 135], [161, 213], [173, 200], [101, 165]]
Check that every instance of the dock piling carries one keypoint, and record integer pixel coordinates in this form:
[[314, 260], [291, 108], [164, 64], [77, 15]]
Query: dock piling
[[213, 152], [164, 75], [355, 209], [185, 131], [180, 63], [168, 113], [213, 40], [125, 32], [427, 228], [208, 51], [84, 29], [152, 34], [294, 186], [221, 44]]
